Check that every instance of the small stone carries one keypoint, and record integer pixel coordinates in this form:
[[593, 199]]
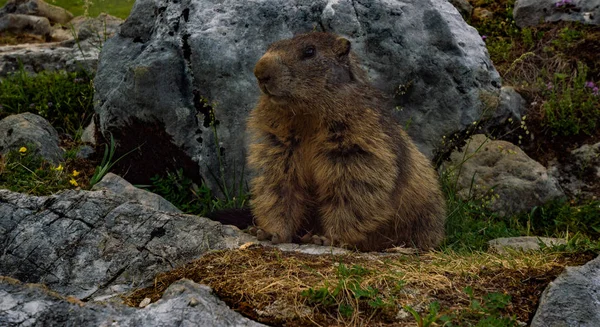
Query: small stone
[[482, 14], [193, 302], [145, 302], [524, 243]]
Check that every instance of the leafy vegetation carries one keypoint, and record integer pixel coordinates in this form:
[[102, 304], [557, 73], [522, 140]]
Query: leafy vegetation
[[554, 65], [480, 312], [349, 294], [25, 171], [572, 104], [64, 99], [183, 193]]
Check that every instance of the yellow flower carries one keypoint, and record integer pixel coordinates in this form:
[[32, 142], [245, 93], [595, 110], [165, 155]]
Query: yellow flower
[[59, 168], [23, 149], [75, 173], [73, 182]]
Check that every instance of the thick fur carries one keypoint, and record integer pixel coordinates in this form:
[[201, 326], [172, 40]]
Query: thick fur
[[328, 157]]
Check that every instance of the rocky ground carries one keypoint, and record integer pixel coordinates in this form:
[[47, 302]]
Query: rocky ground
[[517, 146]]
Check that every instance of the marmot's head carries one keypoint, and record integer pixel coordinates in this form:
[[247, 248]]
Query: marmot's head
[[306, 67]]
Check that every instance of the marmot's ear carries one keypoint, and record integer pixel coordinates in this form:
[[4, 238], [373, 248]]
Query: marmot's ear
[[341, 47]]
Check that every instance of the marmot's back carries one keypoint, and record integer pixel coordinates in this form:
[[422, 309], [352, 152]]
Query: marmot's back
[[332, 165]]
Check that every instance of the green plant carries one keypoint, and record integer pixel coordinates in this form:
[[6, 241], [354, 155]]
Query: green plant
[[469, 222], [183, 193], [482, 312], [433, 316], [235, 192], [567, 37], [64, 99], [23, 170], [571, 107], [559, 217], [348, 294], [107, 161]]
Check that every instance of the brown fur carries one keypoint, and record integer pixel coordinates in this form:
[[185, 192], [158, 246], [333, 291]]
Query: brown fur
[[330, 160]]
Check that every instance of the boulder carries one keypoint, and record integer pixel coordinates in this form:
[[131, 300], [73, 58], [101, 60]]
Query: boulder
[[23, 129], [579, 172], [194, 305], [64, 54], [37, 8], [96, 245], [532, 12], [172, 62], [501, 114], [100, 28], [482, 14], [573, 299], [523, 243], [22, 24], [47, 57], [502, 174], [119, 186], [463, 6]]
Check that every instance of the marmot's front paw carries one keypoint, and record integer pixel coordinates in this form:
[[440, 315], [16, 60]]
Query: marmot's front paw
[[310, 238], [263, 235]]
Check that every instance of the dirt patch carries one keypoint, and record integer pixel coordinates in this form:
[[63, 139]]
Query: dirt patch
[[274, 287]]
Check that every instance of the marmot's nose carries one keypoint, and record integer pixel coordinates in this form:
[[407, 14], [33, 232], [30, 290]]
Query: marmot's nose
[[263, 79], [264, 67], [261, 73]]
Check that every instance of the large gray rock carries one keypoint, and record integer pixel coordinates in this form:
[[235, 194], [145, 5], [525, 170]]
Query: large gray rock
[[20, 130], [97, 244], [532, 12], [519, 183], [184, 303], [579, 173], [573, 299], [37, 8], [503, 113], [169, 56], [118, 185], [21, 24]]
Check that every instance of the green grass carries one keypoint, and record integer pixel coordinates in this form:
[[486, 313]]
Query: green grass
[[64, 99], [118, 8]]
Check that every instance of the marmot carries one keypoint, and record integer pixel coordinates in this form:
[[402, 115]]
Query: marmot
[[332, 165]]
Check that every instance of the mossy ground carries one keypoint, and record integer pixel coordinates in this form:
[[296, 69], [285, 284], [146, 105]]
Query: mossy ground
[[460, 284], [271, 286]]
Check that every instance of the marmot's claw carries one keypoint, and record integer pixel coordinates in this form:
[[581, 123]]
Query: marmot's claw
[[262, 235], [253, 230], [276, 239], [321, 240], [307, 238]]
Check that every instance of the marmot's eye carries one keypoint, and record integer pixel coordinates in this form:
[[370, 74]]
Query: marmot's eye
[[309, 52]]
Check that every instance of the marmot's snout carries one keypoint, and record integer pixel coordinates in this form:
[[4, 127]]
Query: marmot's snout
[[265, 70]]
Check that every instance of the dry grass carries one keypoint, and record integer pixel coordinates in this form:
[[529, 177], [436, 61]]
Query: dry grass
[[266, 284]]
